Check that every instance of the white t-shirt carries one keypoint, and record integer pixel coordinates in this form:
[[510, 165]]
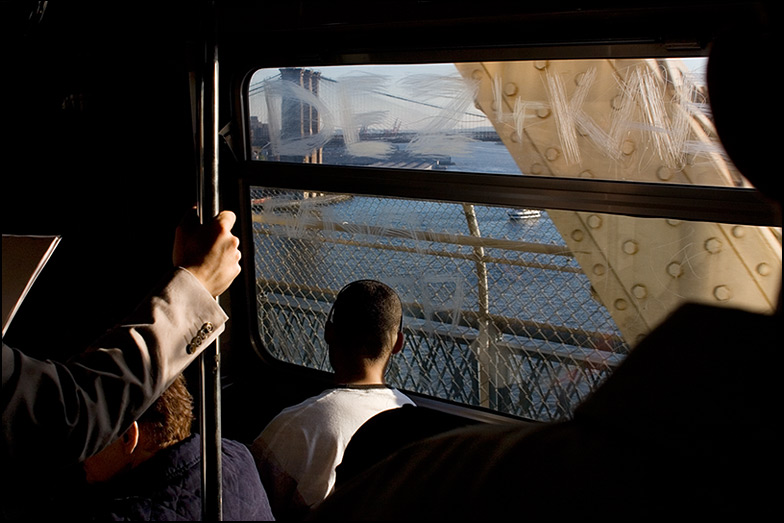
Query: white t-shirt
[[298, 452]]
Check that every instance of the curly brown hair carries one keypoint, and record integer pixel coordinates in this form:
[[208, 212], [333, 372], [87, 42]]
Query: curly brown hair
[[169, 419]]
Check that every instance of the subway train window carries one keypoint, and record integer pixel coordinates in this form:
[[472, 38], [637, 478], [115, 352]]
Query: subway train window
[[641, 120], [510, 304]]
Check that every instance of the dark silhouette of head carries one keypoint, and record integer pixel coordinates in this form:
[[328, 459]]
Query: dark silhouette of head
[[364, 327], [164, 423], [738, 66]]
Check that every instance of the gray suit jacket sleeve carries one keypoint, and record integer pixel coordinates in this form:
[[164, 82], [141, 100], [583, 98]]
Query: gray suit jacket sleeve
[[60, 413]]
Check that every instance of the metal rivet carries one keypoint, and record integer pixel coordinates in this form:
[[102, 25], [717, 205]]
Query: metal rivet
[[599, 269], [594, 221], [713, 245], [578, 235], [628, 147], [537, 168], [673, 223], [630, 247], [640, 291], [586, 174], [617, 102], [763, 269], [675, 270], [552, 154], [543, 112], [664, 173], [621, 304], [510, 89], [477, 74], [738, 231], [541, 64], [722, 293]]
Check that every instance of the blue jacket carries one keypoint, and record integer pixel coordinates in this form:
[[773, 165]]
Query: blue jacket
[[168, 487]]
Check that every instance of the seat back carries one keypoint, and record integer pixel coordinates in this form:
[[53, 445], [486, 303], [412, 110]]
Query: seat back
[[389, 431]]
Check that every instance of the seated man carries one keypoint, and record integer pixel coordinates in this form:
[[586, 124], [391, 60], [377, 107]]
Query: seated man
[[153, 471], [298, 452]]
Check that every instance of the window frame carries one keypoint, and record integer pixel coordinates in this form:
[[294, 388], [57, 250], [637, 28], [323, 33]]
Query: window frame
[[743, 206]]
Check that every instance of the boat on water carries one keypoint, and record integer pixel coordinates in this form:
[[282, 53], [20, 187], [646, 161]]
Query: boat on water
[[524, 214]]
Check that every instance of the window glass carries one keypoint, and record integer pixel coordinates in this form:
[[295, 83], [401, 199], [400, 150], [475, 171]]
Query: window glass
[[639, 120], [523, 311]]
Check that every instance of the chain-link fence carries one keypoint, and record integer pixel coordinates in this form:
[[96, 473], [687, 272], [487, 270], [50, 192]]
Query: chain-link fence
[[497, 312]]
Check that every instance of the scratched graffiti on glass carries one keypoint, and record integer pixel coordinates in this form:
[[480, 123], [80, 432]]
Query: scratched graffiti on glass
[[523, 311], [643, 120]]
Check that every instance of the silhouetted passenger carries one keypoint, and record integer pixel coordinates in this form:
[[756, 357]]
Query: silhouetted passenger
[[153, 471], [298, 451]]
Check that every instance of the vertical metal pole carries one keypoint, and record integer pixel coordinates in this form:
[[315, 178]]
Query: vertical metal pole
[[482, 344], [208, 207]]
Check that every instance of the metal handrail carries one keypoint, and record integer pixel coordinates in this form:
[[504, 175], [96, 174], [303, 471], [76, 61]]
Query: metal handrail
[[208, 207], [545, 331]]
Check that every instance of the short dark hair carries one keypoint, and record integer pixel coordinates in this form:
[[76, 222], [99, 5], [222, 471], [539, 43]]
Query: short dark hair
[[364, 315], [169, 419]]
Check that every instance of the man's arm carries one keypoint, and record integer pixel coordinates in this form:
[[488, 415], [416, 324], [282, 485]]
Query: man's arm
[[56, 414], [65, 412]]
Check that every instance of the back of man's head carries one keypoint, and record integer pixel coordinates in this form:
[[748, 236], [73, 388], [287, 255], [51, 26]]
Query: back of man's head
[[366, 318], [169, 419]]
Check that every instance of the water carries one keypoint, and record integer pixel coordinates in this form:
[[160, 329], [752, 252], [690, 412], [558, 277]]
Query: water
[[543, 302], [485, 157], [421, 249]]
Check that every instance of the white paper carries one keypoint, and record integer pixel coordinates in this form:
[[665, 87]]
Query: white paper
[[23, 259]]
